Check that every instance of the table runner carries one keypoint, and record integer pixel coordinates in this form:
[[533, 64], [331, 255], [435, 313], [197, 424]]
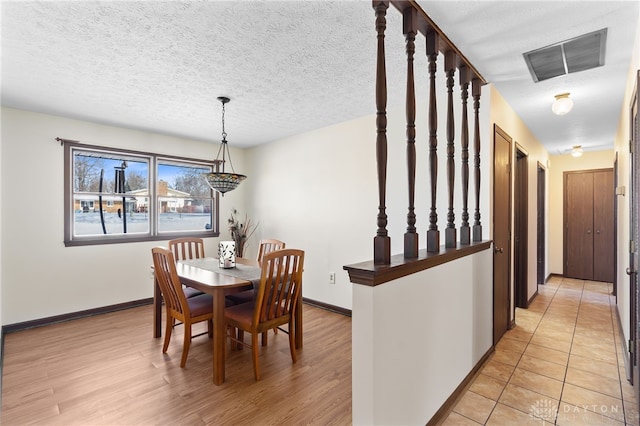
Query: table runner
[[244, 272]]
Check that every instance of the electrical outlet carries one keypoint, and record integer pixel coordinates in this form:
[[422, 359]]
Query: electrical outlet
[[332, 278]]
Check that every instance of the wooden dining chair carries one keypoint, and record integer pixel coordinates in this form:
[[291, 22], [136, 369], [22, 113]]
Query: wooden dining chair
[[178, 307], [187, 248], [267, 246], [275, 304]]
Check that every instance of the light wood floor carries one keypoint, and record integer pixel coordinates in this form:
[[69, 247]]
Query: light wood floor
[[108, 369]]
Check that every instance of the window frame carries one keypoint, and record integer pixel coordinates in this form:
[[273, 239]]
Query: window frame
[[153, 235]]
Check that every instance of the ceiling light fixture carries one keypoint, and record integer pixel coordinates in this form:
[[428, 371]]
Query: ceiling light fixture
[[576, 151], [562, 104], [222, 181]]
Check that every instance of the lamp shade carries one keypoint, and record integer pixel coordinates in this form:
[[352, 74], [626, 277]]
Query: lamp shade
[[576, 151], [227, 254], [223, 182], [562, 104]]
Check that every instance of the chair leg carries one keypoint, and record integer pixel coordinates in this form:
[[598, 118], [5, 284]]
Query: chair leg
[[292, 343], [254, 349], [186, 344], [167, 333], [232, 332], [240, 346], [264, 338], [210, 328]]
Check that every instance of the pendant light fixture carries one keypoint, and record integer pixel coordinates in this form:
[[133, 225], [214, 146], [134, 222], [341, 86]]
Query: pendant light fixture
[[576, 151], [224, 181]]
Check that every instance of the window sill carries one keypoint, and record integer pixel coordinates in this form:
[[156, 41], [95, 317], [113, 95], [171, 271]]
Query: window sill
[[123, 240]]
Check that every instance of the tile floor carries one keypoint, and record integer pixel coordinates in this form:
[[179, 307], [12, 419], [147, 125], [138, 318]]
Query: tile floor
[[561, 364]]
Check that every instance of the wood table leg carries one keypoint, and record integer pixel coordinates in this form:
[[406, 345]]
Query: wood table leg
[[219, 336], [157, 309]]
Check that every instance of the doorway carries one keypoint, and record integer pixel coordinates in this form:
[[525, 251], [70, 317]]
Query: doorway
[[521, 225], [501, 233], [541, 225]]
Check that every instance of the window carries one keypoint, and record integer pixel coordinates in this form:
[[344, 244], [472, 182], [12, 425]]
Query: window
[[116, 196]]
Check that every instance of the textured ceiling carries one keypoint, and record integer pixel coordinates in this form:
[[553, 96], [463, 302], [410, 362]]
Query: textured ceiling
[[292, 66]]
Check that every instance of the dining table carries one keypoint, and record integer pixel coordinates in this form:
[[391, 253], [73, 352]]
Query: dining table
[[206, 275]]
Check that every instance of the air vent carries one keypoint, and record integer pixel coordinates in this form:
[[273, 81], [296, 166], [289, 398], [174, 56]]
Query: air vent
[[574, 55]]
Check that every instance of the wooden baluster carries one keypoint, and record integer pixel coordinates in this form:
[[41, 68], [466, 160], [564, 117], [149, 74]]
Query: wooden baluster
[[381, 242], [410, 29], [476, 88], [465, 230], [433, 234], [450, 69]]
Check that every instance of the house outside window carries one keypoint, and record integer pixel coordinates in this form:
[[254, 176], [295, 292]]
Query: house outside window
[[117, 196]]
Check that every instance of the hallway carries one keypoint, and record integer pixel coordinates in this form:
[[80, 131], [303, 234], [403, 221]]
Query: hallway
[[562, 364]]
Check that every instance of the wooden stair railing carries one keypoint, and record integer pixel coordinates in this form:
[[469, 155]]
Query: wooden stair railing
[[381, 242], [465, 230], [410, 18], [415, 21], [477, 226]]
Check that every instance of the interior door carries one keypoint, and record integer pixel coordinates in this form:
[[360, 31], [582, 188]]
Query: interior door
[[501, 233], [541, 225], [578, 223], [521, 229], [603, 250]]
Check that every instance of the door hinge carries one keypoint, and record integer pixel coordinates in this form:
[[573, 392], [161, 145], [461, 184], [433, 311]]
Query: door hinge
[[632, 346], [631, 146], [632, 246]]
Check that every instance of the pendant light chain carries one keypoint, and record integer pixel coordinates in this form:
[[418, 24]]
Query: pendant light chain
[[224, 134], [225, 148]]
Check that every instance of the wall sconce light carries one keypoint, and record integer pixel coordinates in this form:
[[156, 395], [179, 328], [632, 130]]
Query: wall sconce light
[[562, 104], [576, 151]]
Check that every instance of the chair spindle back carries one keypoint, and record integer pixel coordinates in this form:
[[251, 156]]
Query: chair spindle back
[[280, 285], [168, 280], [187, 248], [267, 246]]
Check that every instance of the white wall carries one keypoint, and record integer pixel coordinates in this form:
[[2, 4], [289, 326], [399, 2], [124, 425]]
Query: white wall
[[412, 348], [316, 192], [1, 204], [559, 165], [40, 276]]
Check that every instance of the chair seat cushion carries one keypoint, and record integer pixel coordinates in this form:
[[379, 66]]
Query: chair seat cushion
[[242, 297], [191, 292], [200, 305], [203, 304], [242, 313]]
